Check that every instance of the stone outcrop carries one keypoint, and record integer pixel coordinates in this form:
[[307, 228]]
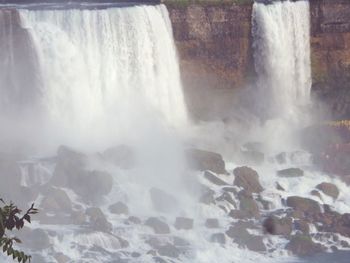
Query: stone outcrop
[[330, 42], [214, 45]]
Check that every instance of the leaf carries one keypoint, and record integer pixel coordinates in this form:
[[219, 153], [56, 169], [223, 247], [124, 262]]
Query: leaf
[[27, 218]]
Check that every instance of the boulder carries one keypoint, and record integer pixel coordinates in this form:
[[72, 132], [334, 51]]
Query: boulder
[[61, 258], [162, 201], [169, 250], [302, 225], [241, 236], [249, 206], [290, 173], [204, 160], [57, 201], [304, 205], [226, 197], [158, 226], [219, 238], [70, 172], [214, 179], [317, 194], [329, 189], [248, 179], [121, 156], [278, 226], [212, 223], [279, 187], [96, 184], [119, 208], [98, 220], [302, 245], [183, 223]]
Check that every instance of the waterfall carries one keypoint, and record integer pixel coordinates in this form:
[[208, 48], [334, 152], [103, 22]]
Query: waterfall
[[100, 70], [281, 32]]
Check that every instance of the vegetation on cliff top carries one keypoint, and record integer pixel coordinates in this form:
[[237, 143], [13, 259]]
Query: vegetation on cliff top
[[185, 3]]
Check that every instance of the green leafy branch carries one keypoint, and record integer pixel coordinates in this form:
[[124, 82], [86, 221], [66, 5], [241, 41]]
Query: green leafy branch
[[10, 219]]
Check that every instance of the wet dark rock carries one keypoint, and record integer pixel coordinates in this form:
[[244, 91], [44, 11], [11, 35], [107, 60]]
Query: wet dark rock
[[61, 258], [266, 205], [214, 179], [279, 187], [239, 214], [204, 160], [304, 205], [278, 226], [226, 197], [183, 223], [180, 242], [302, 245], [119, 208], [162, 201], [230, 189], [247, 204], [344, 244], [219, 238], [212, 223], [302, 225], [169, 250], [56, 200], [290, 173], [317, 194], [329, 189], [248, 179], [241, 236], [96, 184], [122, 156], [98, 220], [70, 172], [135, 254], [158, 226]]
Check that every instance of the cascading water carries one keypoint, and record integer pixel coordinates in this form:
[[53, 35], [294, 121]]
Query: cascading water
[[99, 70], [281, 32]]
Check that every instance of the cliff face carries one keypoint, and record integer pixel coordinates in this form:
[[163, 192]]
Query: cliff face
[[215, 49], [330, 43], [214, 44]]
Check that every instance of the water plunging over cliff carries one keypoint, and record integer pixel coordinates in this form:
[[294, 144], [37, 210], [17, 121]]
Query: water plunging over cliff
[[102, 69], [281, 32]]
